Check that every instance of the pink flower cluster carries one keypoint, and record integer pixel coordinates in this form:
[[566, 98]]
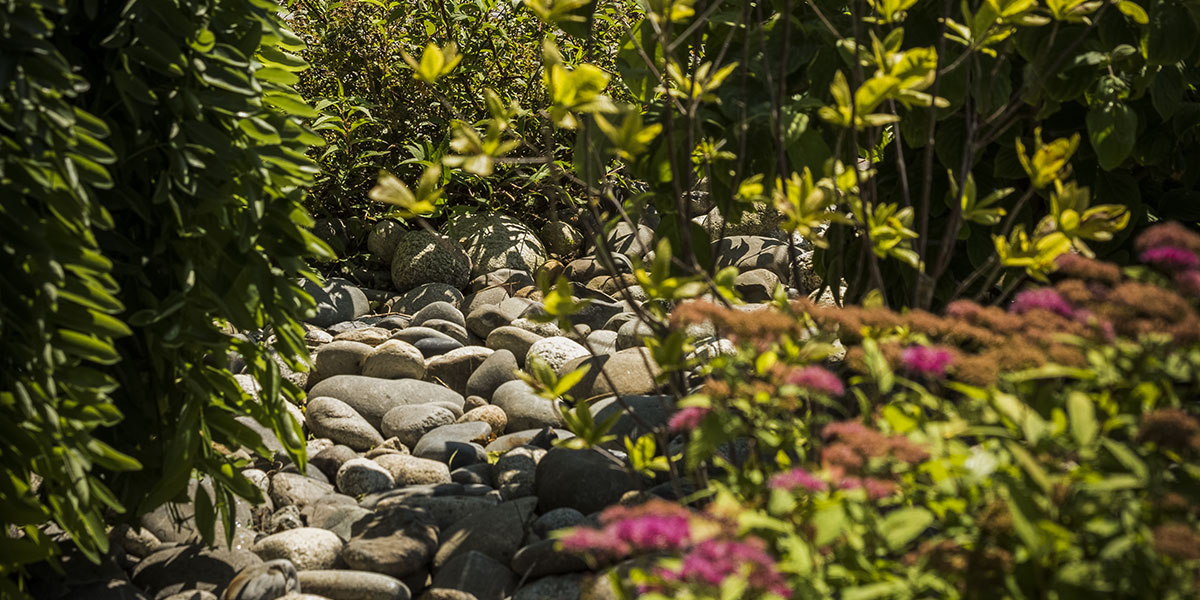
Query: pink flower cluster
[[688, 418], [713, 561], [654, 526], [926, 360], [795, 479], [1172, 248], [1041, 298], [816, 379], [1170, 258], [659, 525]]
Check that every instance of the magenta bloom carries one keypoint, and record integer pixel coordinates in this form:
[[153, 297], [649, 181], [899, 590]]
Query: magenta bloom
[[926, 360], [1043, 298], [598, 542], [817, 379], [688, 418], [797, 478], [1170, 258], [713, 561], [653, 532]]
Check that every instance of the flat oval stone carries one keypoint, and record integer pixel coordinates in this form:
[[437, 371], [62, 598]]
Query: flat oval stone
[[409, 423], [331, 418], [409, 470], [373, 398], [439, 310], [360, 585], [305, 547], [437, 346]]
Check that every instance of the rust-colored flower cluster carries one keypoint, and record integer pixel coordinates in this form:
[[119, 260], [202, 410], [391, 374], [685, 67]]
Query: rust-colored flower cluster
[[1093, 303], [1177, 540], [849, 447], [1170, 429]]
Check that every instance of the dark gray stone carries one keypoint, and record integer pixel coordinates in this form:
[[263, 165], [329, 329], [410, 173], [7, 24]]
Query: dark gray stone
[[178, 568], [437, 346], [496, 532], [396, 542], [541, 558], [337, 301], [477, 574], [331, 459], [581, 479], [456, 444], [498, 368]]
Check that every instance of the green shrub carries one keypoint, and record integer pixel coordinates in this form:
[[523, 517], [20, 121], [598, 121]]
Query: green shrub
[[56, 314], [931, 151], [376, 115], [153, 177], [1048, 450]]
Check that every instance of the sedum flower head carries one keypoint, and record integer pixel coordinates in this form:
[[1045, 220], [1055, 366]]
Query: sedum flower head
[[926, 360], [688, 418], [795, 479], [1041, 298], [817, 379], [1170, 258]]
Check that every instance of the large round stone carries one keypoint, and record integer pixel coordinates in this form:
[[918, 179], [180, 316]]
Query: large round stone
[[477, 574], [373, 397], [422, 257], [748, 252], [496, 532], [496, 241], [626, 373], [581, 479], [382, 239], [178, 568], [417, 298], [454, 368], [396, 542]]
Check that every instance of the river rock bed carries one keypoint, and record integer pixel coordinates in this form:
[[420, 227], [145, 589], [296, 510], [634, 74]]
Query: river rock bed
[[432, 471]]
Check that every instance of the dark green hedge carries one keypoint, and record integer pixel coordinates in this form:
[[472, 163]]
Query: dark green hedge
[[151, 177]]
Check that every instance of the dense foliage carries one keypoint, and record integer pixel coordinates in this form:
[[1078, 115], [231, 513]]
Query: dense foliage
[[153, 174], [1044, 450], [375, 115]]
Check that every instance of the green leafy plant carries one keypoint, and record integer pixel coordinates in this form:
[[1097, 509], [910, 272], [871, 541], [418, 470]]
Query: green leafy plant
[[156, 176], [1046, 449]]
